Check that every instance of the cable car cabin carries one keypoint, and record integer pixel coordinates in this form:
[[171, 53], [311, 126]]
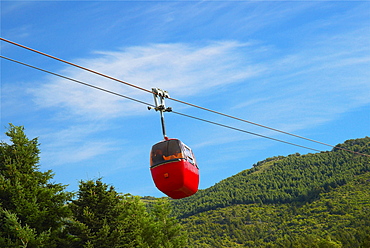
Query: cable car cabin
[[174, 169]]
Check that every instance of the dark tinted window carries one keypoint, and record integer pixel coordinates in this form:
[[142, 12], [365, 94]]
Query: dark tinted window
[[165, 151]]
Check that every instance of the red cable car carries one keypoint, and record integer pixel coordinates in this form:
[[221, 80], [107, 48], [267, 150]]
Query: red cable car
[[172, 163], [174, 168]]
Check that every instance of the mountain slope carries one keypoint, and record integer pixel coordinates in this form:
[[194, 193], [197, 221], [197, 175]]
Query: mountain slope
[[340, 218], [295, 178], [313, 200]]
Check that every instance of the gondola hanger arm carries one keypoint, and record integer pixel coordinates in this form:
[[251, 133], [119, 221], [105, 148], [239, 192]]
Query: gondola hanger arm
[[159, 96]]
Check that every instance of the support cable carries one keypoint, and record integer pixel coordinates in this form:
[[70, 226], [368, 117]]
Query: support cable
[[244, 131], [250, 122], [183, 102], [173, 99], [153, 106], [75, 65], [77, 81]]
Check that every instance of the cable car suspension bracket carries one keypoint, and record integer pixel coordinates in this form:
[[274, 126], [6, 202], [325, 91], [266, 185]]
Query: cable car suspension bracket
[[159, 96]]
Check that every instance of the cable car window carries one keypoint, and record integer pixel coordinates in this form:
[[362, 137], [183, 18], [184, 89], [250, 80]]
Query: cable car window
[[157, 153], [173, 150], [188, 154], [165, 151]]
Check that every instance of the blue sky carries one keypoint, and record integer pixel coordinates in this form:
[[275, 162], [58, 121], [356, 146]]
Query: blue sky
[[298, 66]]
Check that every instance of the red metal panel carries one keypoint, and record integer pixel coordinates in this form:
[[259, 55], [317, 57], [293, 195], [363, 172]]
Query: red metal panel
[[177, 179]]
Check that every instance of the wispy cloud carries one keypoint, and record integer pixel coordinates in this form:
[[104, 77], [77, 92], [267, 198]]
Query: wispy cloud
[[182, 69], [288, 65], [313, 85], [296, 90], [321, 73], [68, 144], [76, 152]]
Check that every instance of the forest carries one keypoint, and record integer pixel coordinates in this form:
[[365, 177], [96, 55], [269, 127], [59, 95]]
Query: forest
[[34, 212], [312, 200]]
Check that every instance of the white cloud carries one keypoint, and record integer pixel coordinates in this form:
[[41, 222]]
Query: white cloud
[[76, 152], [293, 91], [181, 69], [316, 84], [69, 144]]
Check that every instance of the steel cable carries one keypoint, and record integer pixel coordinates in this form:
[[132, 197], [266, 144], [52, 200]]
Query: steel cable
[[183, 102]]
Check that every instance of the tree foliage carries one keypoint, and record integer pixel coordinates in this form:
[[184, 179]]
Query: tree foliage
[[37, 213], [295, 178], [104, 218], [339, 218], [31, 206], [313, 200]]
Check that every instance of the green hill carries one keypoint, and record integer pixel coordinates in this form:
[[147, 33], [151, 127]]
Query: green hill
[[313, 200]]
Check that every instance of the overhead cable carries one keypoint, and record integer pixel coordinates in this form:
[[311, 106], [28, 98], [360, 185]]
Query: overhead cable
[[183, 102], [250, 122], [75, 65], [244, 131], [173, 99], [145, 103], [77, 81]]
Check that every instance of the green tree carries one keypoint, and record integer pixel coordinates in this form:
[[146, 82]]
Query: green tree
[[104, 218], [14, 234], [32, 208], [167, 231], [101, 219]]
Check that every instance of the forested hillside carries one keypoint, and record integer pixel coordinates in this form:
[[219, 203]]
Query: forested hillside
[[313, 200], [295, 178], [339, 218], [35, 212]]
